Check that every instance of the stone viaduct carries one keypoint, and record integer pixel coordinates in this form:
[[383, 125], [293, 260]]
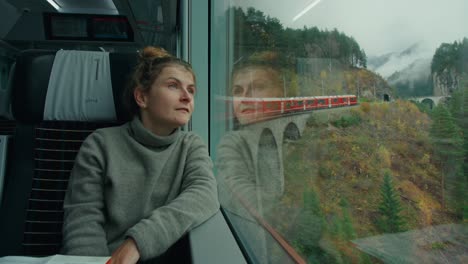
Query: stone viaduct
[[430, 100]]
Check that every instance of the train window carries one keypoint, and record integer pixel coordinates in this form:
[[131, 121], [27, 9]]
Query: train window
[[371, 181], [271, 105]]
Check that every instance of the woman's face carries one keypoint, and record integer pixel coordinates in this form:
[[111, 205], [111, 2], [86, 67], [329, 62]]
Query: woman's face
[[169, 102], [252, 83]]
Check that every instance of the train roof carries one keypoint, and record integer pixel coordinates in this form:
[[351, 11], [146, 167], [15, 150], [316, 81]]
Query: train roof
[[232, 98]]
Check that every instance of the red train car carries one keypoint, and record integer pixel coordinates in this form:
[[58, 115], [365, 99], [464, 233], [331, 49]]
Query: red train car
[[250, 109]]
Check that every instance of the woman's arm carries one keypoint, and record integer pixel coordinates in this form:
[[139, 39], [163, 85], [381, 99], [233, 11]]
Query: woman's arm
[[236, 174], [83, 232], [196, 202]]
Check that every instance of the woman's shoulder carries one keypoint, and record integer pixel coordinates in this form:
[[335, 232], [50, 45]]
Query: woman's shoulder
[[191, 137], [238, 136], [108, 133], [111, 129]]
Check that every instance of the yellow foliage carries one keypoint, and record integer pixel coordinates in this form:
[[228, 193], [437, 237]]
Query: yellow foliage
[[323, 74], [365, 107], [426, 158], [426, 213], [424, 202], [293, 87], [384, 157]]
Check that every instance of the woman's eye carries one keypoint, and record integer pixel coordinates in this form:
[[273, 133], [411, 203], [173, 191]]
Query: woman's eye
[[191, 91], [260, 86], [237, 91]]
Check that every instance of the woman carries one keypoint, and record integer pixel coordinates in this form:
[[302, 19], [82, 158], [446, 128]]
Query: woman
[[257, 78], [248, 167], [136, 189]]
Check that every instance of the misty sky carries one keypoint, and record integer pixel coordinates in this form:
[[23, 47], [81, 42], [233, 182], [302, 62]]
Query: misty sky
[[379, 26]]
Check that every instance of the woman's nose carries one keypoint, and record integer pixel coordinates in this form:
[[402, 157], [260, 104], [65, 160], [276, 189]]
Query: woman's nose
[[186, 96], [248, 92]]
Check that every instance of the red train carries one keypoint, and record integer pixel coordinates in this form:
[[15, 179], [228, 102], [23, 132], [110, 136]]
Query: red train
[[249, 109]]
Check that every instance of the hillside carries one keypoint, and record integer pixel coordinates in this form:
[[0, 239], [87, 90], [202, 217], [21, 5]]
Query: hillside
[[341, 160], [393, 62], [449, 67], [330, 77], [408, 71], [414, 80]]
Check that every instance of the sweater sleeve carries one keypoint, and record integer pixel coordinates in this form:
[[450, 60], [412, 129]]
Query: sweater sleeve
[[83, 232], [196, 203]]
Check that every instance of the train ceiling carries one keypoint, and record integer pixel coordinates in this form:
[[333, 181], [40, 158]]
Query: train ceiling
[[66, 6]]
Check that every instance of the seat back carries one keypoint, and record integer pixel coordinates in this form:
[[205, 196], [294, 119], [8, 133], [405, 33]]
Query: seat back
[[7, 124], [44, 153]]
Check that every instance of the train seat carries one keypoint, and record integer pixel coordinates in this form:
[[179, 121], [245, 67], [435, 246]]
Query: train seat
[[7, 126], [47, 138]]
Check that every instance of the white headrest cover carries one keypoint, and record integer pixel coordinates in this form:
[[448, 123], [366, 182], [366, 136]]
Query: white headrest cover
[[80, 87]]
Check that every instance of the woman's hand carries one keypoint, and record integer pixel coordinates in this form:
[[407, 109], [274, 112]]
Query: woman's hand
[[127, 253]]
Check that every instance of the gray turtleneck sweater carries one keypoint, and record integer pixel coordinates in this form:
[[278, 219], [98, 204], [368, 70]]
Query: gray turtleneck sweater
[[128, 182]]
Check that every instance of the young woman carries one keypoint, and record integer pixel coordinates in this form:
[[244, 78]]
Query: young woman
[[136, 189], [254, 80], [249, 171]]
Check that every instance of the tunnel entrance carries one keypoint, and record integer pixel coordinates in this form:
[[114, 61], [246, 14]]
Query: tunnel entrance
[[386, 98]]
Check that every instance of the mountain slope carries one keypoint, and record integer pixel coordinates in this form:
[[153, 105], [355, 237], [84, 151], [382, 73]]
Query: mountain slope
[[408, 70]]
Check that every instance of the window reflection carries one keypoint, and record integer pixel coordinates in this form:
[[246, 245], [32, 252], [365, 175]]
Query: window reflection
[[258, 77], [375, 171], [249, 165]]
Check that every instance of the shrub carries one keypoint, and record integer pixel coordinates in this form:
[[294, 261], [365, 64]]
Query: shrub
[[365, 107], [347, 121]]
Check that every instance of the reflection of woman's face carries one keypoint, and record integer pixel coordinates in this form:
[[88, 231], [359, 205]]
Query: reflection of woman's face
[[254, 82]]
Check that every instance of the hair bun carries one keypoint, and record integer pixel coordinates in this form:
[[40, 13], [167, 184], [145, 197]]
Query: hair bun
[[265, 56], [152, 53]]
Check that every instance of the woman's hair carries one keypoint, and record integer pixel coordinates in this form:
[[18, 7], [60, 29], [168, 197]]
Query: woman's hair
[[151, 62], [263, 59], [268, 61]]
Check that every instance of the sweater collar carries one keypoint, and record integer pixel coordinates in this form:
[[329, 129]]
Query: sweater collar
[[147, 138]]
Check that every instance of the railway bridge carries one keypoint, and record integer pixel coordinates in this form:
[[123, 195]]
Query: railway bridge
[[266, 138], [264, 142], [430, 100]]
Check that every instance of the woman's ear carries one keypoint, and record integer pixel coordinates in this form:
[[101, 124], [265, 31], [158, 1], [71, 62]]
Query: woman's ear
[[140, 97]]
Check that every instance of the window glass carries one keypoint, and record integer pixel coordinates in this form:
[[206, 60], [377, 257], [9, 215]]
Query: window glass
[[373, 168]]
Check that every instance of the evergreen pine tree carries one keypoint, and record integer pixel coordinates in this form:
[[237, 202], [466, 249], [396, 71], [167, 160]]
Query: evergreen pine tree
[[390, 219], [347, 225], [455, 105], [448, 152], [310, 228], [459, 103]]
